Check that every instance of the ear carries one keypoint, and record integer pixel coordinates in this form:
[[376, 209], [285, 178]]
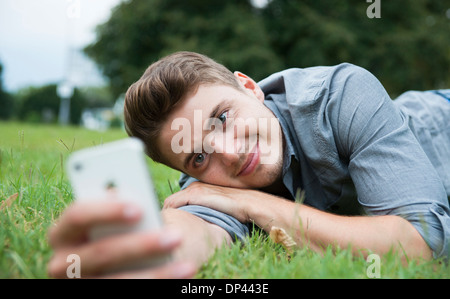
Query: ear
[[249, 85]]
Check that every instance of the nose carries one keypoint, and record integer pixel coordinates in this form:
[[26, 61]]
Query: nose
[[227, 149], [229, 159]]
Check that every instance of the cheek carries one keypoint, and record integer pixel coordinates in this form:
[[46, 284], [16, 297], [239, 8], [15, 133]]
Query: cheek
[[212, 175], [219, 176]]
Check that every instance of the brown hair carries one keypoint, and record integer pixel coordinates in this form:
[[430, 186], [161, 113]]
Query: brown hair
[[150, 100]]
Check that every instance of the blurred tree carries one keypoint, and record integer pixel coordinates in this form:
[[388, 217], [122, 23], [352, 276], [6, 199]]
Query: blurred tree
[[38, 104], [41, 104], [407, 48], [6, 101], [77, 104], [140, 32], [89, 97], [97, 97]]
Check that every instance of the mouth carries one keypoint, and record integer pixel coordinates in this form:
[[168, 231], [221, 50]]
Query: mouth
[[251, 162]]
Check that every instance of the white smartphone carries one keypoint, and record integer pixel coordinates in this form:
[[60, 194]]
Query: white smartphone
[[117, 171]]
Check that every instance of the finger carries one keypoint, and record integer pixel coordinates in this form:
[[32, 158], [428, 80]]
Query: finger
[[174, 201], [74, 224], [178, 270], [114, 252]]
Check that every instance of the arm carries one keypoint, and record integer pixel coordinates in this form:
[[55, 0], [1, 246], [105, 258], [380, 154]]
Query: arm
[[69, 236], [389, 168], [308, 226]]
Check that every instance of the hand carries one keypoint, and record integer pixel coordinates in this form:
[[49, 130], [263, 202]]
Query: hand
[[232, 201], [70, 236]]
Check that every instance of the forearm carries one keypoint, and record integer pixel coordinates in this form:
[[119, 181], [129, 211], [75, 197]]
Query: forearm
[[308, 226], [318, 229], [200, 238]]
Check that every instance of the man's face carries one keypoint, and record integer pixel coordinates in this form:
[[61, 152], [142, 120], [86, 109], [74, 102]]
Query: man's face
[[224, 136]]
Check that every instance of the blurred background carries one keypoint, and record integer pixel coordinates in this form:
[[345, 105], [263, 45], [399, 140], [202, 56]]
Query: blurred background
[[70, 61]]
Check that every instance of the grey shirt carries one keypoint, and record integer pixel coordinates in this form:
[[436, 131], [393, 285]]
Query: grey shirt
[[355, 151]]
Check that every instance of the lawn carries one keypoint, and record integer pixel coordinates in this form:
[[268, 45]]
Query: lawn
[[34, 190]]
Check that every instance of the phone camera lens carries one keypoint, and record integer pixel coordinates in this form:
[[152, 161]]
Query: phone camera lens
[[78, 166]]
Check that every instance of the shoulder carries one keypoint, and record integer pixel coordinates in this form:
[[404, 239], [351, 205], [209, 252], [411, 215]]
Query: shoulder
[[302, 85]]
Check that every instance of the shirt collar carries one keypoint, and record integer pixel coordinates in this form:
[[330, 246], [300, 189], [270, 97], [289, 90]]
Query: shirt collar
[[288, 148]]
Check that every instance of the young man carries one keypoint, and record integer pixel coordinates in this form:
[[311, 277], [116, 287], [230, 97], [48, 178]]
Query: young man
[[332, 132]]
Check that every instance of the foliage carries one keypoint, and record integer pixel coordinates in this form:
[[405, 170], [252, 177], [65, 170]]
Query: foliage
[[6, 101], [407, 48], [140, 32], [39, 104]]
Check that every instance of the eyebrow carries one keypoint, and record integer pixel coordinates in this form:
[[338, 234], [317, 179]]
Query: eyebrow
[[212, 115]]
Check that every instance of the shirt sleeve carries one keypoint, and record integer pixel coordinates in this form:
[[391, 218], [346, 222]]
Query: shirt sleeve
[[390, 170], [236, 229]]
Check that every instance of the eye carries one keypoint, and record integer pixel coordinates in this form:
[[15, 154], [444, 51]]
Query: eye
[[199, 159], [223, 117]]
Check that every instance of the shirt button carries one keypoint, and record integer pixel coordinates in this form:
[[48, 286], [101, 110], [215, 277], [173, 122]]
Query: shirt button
[[440, 211]]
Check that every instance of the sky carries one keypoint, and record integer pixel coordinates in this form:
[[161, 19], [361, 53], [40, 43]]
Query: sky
[[39, 37], [40, 41]]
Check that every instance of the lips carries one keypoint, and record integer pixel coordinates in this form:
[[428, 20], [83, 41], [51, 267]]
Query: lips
[[251, 162]]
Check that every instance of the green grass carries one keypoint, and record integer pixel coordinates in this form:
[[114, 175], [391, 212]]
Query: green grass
[[261, 258], [32, 161]]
